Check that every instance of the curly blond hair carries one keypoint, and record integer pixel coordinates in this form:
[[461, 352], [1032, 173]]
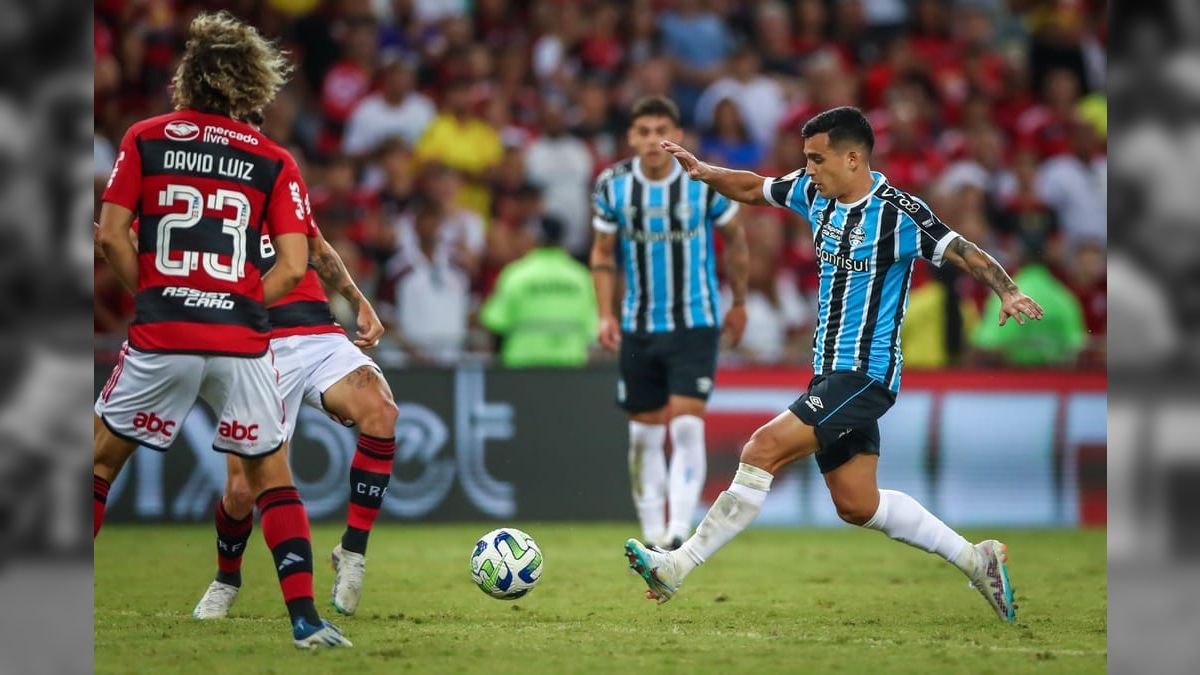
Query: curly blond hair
[[228, 68]]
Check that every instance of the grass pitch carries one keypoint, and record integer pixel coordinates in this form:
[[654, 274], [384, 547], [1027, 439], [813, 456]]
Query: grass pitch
[[845, 601]]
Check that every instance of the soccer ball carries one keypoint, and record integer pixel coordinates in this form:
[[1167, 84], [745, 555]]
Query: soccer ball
[[506, 563]]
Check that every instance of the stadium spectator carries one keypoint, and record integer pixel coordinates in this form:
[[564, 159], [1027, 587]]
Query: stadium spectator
[[1075, 184], [727, 142], [779, 319], [759, 98], [594, 123], [460, 231], [1056, 340], [543, 306], [560, 165], [939, 322], [349, 80], [396, 111], [463, 141], [425, 301], [1086, 277], [697, 42]]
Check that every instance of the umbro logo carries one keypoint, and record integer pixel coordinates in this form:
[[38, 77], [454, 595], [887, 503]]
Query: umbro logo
[[704, 385], [290, 559], [814, 402]]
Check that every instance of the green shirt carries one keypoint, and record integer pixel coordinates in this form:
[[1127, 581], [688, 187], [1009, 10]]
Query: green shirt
[[545, 307], [1055, 340]]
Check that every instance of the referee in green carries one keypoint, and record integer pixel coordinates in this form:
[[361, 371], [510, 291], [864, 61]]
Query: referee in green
[[543, 306]]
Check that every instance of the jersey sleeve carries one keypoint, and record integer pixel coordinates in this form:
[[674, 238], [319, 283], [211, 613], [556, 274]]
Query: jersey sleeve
[[604, 216], [793, 191], [922, 234], [721, 208], [125, 182], [288, 211]]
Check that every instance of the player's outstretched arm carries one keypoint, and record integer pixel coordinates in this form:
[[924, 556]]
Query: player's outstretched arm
[[112, 236], [737, 270], [742, 186], [330, 268], [984, 267], [604, 272], [291, 261]]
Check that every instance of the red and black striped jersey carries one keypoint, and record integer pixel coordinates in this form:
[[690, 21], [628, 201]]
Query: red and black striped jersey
[[206, 189], [303, 311]]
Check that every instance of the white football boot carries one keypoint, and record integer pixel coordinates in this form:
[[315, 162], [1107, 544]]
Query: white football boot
[[348, 580], [216, 601]]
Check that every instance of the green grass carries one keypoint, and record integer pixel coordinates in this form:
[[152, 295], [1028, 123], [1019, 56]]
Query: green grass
[[843, 601]]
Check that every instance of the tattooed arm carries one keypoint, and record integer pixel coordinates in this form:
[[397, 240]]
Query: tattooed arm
[[332, 271], [984, 267]]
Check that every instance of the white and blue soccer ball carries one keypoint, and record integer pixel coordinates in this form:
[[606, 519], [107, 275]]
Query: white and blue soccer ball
[[506, 563]]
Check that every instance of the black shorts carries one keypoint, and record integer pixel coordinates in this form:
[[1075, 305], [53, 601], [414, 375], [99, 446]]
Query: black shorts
[[844, 407], [657, 365]]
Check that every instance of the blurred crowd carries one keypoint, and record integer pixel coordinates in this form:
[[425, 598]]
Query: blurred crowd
[[435, 134]]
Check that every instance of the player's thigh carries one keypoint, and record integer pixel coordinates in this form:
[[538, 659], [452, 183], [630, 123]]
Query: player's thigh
[[250, 419], [348, 385], [148, 395], [642, 388], [109, 452], [691, 362], [686, 405], [779, 442], [264, 472]]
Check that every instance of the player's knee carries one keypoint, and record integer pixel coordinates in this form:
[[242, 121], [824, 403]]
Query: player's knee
[[763, 449], [853, 509], [239, 497], [379, 418]]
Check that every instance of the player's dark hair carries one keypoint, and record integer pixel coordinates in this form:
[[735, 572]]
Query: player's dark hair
[[654, 106], [843, 124]]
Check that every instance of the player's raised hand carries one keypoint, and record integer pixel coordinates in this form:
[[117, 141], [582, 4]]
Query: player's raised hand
[[610, 333], [1016, 304], [694, 167], [734, 324], [370, 328]]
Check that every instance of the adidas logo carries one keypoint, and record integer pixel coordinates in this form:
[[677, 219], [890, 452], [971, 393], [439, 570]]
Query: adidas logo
[[290, 559]]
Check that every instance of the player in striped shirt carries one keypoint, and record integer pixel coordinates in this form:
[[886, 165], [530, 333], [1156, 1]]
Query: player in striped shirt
[[867, 235], [669, 325]]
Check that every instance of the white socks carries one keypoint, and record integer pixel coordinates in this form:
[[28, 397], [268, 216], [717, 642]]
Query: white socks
[[648, 477], [689, 464], [733, 511], [902, 518]]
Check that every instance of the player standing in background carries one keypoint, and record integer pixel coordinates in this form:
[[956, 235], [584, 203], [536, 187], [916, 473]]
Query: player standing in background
[[318, 366], [206, 187], [669, 329], [867, 234]]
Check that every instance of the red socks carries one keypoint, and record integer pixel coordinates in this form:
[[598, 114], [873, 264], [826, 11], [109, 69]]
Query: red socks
[[370, 471], [285, 529], [99, 499]]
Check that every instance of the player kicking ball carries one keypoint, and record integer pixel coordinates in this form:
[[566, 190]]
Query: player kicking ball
[[867, 234], [207, 186]]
